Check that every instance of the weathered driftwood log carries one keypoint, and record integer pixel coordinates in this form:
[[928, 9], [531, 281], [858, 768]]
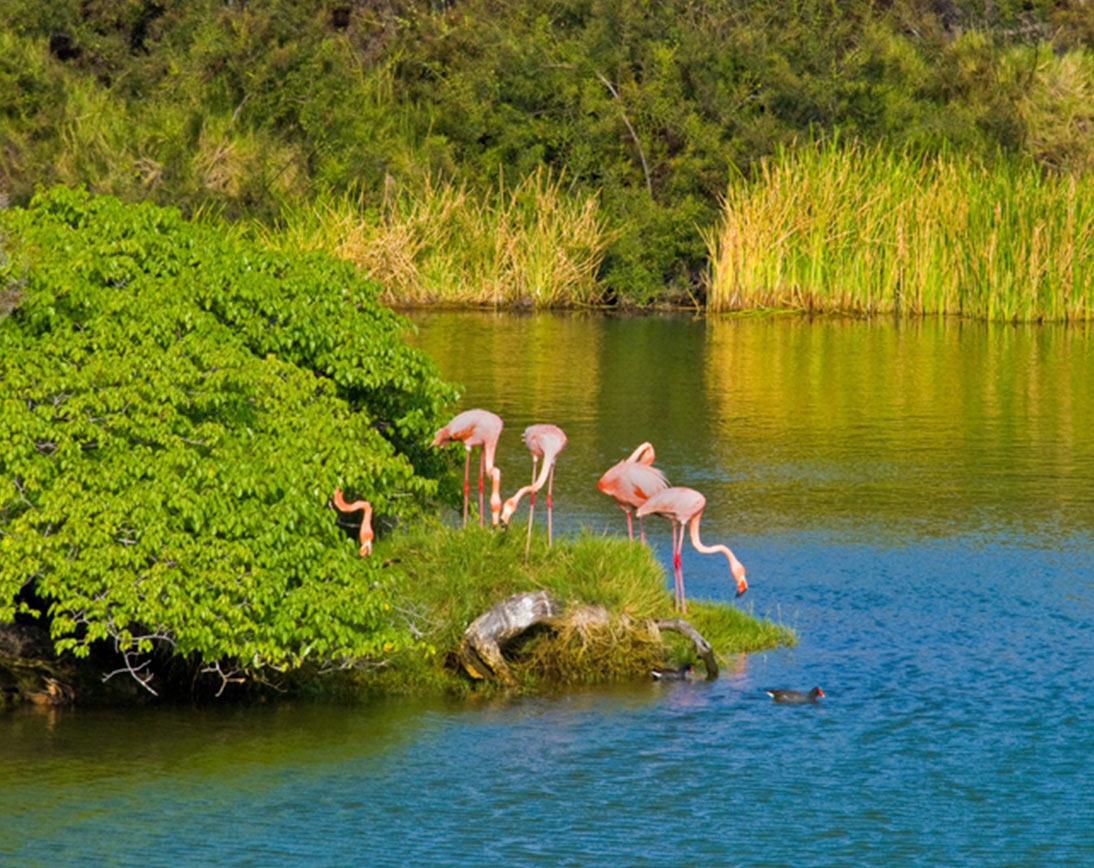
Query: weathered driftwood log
[[480, 650], [702, 646]]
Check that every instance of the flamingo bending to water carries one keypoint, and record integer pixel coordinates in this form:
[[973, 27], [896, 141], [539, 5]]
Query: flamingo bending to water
[[477, 428], [631, 482], [364, 536], [543, 441], [684, 506]]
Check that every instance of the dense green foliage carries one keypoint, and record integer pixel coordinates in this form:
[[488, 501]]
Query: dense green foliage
[[177, 408], [249, 107]]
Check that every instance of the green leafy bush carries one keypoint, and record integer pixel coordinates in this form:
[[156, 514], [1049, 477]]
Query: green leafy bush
[[177, 407]]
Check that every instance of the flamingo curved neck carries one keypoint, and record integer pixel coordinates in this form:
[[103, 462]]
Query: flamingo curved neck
[[365, 535], [702, 547], [513, 502]]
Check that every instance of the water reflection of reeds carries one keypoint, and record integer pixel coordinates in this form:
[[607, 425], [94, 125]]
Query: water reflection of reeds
[[921, 426], [901, 427]]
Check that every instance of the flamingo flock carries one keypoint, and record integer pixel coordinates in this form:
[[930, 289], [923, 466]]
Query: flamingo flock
[[639, 488]]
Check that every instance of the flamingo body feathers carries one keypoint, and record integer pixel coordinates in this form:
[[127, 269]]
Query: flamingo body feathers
[[684, 507], [473, 428], [632, 481]]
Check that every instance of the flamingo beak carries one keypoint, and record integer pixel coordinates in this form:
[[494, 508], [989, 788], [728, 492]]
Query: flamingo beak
[[741, 588]]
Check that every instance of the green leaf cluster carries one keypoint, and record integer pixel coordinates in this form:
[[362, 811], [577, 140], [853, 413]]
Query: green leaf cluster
[[177, 406]]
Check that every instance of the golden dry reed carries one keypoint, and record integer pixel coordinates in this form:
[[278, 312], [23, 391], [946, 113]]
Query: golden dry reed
[[532, 245], [837, 227]]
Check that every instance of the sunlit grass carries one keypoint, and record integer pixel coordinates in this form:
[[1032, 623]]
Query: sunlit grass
[[530, 245], [866, 230], [448, 577]]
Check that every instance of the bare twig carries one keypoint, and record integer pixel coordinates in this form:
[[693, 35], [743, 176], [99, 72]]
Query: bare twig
[[226, 678], [630, 128], [142, 678]]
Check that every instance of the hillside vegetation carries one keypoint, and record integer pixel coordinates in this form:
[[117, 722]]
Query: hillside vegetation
[[631, 119]]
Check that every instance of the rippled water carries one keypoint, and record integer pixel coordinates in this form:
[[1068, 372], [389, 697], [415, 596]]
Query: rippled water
[[917, 501]]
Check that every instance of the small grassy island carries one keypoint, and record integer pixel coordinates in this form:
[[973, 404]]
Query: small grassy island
[[180, 406], [613, 589]]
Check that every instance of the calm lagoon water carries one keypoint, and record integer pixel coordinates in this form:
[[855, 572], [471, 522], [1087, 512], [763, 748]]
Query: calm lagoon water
[[915, 499]]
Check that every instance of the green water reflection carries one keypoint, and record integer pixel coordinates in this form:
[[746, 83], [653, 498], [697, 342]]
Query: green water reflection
[[896, 428]]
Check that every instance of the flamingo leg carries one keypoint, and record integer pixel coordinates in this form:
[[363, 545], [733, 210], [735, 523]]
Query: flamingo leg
[[482, 471], [531, 506], [630, 523], [550, 488], [641, 527], [466, 484], [677, 566]]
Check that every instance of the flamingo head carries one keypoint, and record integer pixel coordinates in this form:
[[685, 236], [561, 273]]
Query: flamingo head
[[366, 547], [440, 437], [738, 570], [507, 510]]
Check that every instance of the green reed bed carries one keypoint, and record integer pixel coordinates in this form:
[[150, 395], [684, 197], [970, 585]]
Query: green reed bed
[[530, 245], [848, 228]]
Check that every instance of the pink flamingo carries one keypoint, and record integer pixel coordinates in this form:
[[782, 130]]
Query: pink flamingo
[[684, 506], [477, 428], [365, 534], [631, 481], [543, 441]]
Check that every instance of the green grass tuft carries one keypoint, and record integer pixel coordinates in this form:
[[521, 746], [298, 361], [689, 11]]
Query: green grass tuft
[[535, 244]]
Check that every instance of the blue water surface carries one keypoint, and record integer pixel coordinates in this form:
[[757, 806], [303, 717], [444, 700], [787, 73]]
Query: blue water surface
[[944, 605]]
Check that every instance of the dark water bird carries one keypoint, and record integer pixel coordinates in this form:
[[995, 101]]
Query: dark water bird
[[682, 673], [792, 697]]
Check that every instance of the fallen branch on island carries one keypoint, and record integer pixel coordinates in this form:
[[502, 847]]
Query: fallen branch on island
[[480, 650], [481, 654], [702, 646]]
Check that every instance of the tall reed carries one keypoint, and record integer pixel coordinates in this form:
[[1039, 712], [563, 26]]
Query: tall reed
[[851, 228], [532, 244]]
